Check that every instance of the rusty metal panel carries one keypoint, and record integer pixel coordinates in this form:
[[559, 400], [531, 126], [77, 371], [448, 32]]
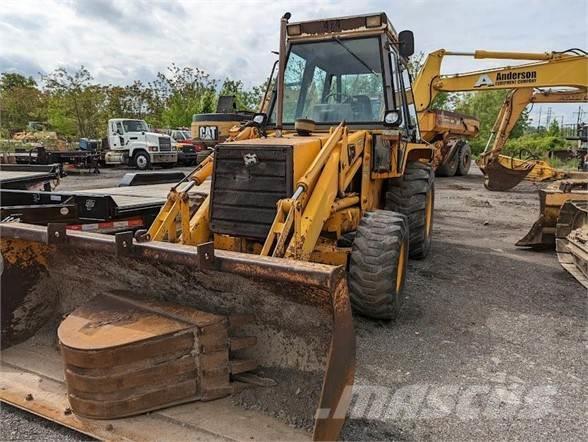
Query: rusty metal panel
[[299, 313]]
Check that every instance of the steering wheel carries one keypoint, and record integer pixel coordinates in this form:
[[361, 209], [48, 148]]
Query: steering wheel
[[348, 98]]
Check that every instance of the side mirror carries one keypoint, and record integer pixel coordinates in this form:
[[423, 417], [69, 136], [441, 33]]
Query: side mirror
[[406, 43], [392, 118]]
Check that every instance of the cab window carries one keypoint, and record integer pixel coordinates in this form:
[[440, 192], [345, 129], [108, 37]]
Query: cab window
[[335, 80]]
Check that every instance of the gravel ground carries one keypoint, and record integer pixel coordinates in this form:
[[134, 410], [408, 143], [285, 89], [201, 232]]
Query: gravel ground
[[490, 344]]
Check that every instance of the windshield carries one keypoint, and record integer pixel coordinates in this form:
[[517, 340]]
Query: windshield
[[187, 134], [135, 126], [334, 80]]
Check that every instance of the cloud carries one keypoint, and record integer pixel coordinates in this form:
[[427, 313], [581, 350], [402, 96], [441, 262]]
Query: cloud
[[121, 41], [19, 64]]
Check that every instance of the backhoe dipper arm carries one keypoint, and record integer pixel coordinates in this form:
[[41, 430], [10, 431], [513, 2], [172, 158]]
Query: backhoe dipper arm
[[514, 105], [550, 69]]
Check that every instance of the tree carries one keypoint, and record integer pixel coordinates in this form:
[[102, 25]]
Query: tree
[[485, 106], [553, 129], [180, 94], [76, 105], [20, 101]]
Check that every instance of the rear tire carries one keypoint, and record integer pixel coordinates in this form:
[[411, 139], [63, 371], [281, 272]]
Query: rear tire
[[464, 160], [449, 168], [377, 266], [414, 196]]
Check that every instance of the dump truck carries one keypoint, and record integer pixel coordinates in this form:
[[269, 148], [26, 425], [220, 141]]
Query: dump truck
[[449, 132], [231, 317]]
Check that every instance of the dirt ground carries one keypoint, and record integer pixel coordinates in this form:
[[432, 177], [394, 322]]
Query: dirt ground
[[490, 344]]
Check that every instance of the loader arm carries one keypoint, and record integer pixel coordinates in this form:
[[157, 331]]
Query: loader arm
[[549, 69], [320, 192]]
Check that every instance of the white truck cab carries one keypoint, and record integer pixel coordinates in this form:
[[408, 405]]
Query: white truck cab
[[131, 142]]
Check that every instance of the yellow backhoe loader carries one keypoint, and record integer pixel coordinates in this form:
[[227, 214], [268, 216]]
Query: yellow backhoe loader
[[547, 70], [240, 293]]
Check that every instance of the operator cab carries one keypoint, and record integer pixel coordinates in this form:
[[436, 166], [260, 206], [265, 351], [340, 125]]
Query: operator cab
[[357, 74]]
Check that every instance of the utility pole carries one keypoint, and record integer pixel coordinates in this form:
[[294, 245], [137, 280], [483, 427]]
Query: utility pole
[[539, 119], [580, 114], [549, 110]]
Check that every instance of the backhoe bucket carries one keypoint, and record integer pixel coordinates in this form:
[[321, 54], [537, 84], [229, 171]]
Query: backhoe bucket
[[498, 177], [97, 330], [543, 232], [571, 243]]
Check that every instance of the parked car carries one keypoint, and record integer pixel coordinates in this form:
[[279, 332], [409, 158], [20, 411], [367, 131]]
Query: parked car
[[188, 148]]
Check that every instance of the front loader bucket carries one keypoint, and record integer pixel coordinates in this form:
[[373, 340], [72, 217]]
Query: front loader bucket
[[268, 343], [543, 232], [498, 177], [571, 243]]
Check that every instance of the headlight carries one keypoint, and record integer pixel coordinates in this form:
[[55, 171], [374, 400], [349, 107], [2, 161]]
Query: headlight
[[392, 118], [153, 148]]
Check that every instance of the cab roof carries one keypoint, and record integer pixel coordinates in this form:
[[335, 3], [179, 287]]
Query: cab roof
[[355, 24]]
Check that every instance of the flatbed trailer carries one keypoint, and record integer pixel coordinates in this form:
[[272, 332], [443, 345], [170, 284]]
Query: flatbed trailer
[[81, 159], [106, 210], [25, 177]]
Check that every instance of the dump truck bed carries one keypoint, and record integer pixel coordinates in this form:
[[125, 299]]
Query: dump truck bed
[[436, 122]]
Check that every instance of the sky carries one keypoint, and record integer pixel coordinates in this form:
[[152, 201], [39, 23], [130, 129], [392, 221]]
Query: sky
[[124, 40]]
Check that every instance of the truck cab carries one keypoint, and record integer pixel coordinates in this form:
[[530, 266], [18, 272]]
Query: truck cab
[[132, 142]]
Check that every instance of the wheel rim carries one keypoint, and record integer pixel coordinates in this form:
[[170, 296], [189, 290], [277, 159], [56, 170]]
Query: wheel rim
[[400, 267], [466, 161], [141, 161]]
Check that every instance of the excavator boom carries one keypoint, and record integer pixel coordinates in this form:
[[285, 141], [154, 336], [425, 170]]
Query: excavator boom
[[551, 70]]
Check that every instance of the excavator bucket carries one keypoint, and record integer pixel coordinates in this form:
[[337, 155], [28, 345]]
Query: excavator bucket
[[571, 243], [500, 176], [97, 330], [543, 232]]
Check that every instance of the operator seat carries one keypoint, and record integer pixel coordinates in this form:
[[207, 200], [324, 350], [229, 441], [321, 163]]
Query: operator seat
[[362, 108]]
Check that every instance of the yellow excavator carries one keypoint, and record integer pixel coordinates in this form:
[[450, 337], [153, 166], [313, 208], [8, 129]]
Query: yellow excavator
[[239, 296], [567, 69], [512, 170]]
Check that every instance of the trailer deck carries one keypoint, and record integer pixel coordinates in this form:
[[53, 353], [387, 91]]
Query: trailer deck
[[16, 176], [90, 206]]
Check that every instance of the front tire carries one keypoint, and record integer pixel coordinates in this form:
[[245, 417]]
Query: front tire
[[141, 160], [377, 266], [414, 196]]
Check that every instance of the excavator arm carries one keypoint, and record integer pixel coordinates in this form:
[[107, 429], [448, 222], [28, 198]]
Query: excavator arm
[[549, 69], [514, 105], [503, 173]]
